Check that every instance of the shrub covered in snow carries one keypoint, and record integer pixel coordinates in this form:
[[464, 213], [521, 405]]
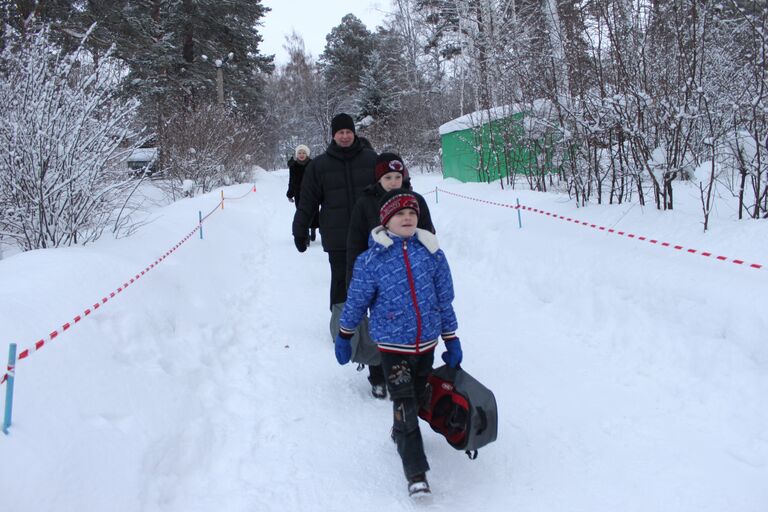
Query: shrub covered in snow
[[65, 137]]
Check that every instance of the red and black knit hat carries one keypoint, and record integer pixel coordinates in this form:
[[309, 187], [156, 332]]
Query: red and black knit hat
[[389, 162], [394, 201]]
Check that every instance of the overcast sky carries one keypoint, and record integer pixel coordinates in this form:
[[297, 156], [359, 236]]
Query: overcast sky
[[312, 19]]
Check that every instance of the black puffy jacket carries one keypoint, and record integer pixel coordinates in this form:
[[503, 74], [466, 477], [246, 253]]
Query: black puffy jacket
[[334, 181], [295, 177], [365, 217]]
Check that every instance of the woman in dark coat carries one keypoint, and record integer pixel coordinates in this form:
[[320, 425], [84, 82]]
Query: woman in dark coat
[[297, 164], [390, 174]]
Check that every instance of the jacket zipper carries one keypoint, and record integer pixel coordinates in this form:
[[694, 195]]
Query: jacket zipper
[[412, 285], [350, 188]]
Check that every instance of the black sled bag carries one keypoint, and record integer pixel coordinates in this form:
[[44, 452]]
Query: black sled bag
[[364, 349], [461, 409]]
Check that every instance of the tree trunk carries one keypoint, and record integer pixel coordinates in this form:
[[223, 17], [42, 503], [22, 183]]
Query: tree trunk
[[484, 89]]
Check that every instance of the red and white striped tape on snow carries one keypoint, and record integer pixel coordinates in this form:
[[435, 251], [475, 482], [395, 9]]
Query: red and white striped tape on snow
[[25, 353], [612, 231]]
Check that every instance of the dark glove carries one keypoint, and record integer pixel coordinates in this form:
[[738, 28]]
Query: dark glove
[[302, 242], [452, 355], [343, 349]]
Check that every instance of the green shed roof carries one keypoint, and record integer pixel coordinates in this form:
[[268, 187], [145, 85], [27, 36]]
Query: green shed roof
[[542, 109]]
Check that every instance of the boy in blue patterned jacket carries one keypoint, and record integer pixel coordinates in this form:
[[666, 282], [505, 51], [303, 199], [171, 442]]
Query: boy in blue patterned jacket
[[405, 281]]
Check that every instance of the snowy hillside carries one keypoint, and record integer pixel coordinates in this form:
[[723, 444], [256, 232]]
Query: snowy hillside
[[629, 376]]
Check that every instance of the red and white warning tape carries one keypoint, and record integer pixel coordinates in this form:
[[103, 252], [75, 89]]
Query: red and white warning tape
[[9, 373], [252, 189], [25, 353], [677, 247]]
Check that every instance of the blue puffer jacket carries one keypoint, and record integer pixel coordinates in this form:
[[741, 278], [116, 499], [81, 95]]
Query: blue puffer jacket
[[407, 285]]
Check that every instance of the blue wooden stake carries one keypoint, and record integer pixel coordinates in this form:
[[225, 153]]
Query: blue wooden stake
[[9, 387], [436, 201], [200, 216], [519, 217]]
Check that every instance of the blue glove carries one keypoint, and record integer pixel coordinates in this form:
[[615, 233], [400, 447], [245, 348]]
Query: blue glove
[[452, 355], [343, 349]]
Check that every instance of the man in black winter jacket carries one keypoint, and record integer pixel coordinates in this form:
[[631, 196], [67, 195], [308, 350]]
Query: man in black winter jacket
[[334, 181]]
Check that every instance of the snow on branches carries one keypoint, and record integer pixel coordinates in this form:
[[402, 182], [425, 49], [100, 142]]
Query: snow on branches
[[64, 134]]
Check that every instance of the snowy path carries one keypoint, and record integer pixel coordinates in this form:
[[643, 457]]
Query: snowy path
[[628, 378]]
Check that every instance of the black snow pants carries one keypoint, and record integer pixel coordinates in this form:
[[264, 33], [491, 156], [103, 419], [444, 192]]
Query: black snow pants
[[338, 261], [406, 376]]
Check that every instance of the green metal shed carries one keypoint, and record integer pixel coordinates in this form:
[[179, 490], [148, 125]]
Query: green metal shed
[[488, 145]]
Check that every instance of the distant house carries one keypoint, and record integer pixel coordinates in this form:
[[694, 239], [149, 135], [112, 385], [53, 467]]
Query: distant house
[[490, 144], [143, 158]]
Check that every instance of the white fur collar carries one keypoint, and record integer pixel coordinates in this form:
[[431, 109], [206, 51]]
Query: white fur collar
[[427, 239]]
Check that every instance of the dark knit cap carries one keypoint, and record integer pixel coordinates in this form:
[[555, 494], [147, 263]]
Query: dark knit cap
[[389, 162], [394, 201], [341, 122]]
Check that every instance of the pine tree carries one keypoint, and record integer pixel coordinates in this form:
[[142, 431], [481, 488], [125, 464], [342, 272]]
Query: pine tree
[[163, 42], [377, 94], [217, 28], [59, 16], [347, 50]]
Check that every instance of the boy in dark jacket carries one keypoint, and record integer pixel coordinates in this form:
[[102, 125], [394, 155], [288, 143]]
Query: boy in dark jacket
[[405, 280], [391, 174]]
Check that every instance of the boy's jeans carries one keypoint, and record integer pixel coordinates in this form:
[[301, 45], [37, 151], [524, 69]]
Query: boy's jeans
[[406, 376]]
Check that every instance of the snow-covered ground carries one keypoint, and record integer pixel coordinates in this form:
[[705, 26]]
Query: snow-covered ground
[[628, 376]]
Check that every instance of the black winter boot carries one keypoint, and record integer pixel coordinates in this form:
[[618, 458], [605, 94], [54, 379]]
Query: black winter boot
[[376, 378], [379, 390], [418, 486]]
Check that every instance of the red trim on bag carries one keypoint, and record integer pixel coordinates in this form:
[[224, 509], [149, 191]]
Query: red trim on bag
[[442, 390]]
